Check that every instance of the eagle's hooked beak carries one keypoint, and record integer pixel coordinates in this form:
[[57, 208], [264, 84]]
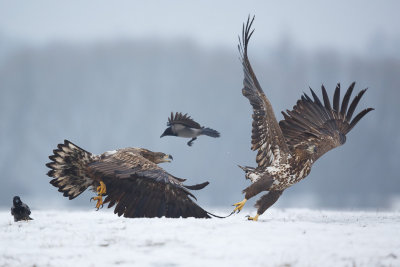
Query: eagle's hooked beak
[[167, 158]]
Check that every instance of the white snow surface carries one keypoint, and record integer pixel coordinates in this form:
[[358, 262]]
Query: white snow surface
[[292, 237]]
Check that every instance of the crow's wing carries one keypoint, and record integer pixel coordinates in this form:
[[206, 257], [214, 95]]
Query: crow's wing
[[184, 119], [26, 209]]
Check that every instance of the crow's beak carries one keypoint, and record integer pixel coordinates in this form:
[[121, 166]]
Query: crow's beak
[[162, 135]]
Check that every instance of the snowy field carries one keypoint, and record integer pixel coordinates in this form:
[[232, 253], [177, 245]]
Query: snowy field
[[281, 238]]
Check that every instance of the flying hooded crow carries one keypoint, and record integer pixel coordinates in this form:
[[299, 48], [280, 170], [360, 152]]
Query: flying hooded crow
[[184, 126], [20, 210]]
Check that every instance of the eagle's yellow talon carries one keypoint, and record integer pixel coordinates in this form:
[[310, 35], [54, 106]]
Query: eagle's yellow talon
[[99, 201], [239, 205], [255, 218], [100, 191]]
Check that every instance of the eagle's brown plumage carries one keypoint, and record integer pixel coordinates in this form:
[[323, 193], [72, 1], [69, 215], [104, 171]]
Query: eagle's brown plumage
[[135, 184], [287, 150]]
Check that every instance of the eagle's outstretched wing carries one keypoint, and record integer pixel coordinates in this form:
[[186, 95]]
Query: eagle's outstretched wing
[[140, 188], [184, 119], [267, 136], [323, 126]]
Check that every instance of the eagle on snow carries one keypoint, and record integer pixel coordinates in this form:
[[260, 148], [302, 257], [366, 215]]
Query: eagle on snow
[[286, 151], [129, 178]]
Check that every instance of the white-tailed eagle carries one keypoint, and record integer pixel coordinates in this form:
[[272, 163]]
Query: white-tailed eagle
[[288, 149], [129, 178]]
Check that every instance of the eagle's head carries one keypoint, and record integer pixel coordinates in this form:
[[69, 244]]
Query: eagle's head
[[161, 157], [156, 157]]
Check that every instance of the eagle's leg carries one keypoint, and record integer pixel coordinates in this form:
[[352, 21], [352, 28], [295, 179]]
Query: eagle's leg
[[255, 218], [239, 205], [101, 190], [191, 141], [265, 202], [257, 187]]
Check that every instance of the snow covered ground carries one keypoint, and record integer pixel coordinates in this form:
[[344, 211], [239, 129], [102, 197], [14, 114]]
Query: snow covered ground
[[291, 237]]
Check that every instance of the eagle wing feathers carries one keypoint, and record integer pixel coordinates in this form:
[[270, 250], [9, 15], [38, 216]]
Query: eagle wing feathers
[[267, 136], [313, 123], [140, 188]]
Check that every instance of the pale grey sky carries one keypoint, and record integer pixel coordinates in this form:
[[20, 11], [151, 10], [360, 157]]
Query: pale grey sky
[[341, 25], [69, 69]]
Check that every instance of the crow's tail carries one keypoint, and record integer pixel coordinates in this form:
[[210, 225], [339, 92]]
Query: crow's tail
[[210, 132]]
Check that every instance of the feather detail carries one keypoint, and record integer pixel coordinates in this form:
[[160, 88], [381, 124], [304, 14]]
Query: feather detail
[[184, 119], [267, 136], [311, 123]]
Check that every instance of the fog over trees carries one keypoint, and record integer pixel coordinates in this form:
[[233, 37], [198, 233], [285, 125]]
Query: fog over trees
[[114, 94]]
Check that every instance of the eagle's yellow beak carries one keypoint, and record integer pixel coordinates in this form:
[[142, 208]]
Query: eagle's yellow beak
[[167, 158]]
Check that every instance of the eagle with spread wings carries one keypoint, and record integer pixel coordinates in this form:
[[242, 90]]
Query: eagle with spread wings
[[288, 149], [129, 178]]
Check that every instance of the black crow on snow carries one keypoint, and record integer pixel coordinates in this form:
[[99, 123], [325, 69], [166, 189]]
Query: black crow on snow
[[20, 210]]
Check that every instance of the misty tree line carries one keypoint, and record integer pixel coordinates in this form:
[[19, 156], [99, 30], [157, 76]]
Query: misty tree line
[[120, 93]]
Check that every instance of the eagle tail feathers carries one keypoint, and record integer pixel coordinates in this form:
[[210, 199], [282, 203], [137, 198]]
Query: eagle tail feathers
[[68, 168], [248, 171], [246, 168]]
